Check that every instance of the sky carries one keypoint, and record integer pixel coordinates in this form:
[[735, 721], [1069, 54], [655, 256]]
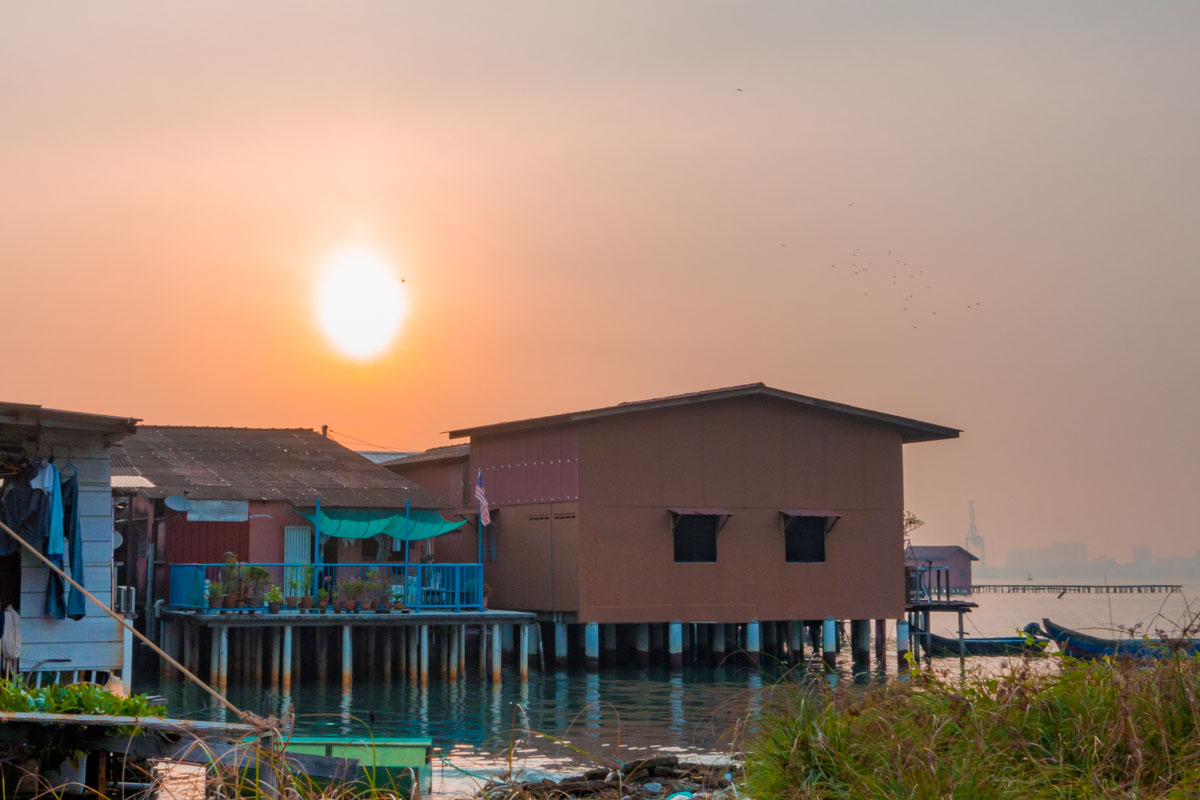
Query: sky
[[977, 214]]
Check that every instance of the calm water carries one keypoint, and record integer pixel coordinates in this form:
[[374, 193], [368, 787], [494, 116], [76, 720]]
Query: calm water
[[698, 713]]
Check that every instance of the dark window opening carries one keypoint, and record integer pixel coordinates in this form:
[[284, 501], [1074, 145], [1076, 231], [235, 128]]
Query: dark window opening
[[804, 539], [10, 580], [695, 537], [489, 542]]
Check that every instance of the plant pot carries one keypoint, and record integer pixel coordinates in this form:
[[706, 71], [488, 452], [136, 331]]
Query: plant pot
[[485, 601], [324, 606], [382, 608], [306, 602], [398, 605], [229, 601], [273, 608], [292, 602], [368, 606]]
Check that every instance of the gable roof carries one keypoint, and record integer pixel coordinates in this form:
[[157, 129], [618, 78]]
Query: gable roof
[[28, 415], [935, 552], [912, 430], [296, 465], [434, 455]]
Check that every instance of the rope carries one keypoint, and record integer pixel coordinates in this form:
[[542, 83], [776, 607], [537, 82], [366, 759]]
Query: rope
[[245, 716]]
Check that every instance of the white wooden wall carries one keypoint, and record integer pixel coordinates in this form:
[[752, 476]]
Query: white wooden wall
[[94, 642]]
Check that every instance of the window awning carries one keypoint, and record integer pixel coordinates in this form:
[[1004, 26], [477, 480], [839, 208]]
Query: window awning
[[363, 523], [724, 514], [831, 517]]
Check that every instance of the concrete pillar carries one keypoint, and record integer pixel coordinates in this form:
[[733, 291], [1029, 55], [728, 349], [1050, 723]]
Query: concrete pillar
[[880, 640], [591, 646], [453, 637], [223, 662], [795, 642], [497, 655], [753, 641], [902, 644], [414, 657], [483, 651], [424, 655], [523, 657], [347, 659], [386, 659], [718, 642], [642, 645], [860, 643], [508, 634], [462, 650], [609, 642], [276, 648], [444, 651], [829, 643], [286, 677], [675, 645], [560, 645], [214, 658]]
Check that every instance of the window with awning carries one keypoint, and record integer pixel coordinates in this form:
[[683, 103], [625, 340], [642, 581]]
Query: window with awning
[[804, 533], [695, 531]]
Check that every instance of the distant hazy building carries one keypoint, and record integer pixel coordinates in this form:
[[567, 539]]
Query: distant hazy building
[[1141, 557], [956, 559]]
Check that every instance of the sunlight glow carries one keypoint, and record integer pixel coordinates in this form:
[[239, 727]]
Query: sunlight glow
[[360, 304]]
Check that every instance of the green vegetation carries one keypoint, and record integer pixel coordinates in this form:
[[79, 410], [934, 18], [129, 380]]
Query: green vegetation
[[1100, 729], [74, 698]]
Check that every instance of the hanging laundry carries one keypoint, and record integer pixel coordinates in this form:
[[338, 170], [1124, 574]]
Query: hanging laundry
[[21, 508], [48, 481], [10, 641], [73, 556]]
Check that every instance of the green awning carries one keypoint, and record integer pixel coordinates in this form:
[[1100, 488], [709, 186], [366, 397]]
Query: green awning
[[364, 523]]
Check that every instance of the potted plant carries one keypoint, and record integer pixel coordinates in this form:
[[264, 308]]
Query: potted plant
[[351, 593], [256, 579], [306, 583], [232, 574], [487, 592], [373, 592], [322, 600], [274, 598], [293, 595], [215, 594], [396, 596]]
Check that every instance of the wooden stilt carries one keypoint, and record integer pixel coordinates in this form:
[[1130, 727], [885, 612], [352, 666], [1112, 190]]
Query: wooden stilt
[[386, 658], [347, 659], [276, 656], [483, 651], [497, 654], [223, 661], [285, 687], [323, 656], [414, 642], [453, 660], [214, 657]]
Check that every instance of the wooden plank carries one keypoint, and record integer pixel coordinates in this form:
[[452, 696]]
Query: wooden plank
[[197, 726], [98, 655], [92, 628]]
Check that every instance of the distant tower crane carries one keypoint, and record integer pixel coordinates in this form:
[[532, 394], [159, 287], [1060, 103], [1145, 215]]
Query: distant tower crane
[[975, 538]]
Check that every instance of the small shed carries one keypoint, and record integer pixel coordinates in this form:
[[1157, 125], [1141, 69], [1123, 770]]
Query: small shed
[[954, 558], [79, 445]]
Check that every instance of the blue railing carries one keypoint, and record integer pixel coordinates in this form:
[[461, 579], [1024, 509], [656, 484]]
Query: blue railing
[[419, 587]]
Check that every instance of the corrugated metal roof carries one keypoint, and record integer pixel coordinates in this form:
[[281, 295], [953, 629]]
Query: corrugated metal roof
[[932, 552], [382, 456], [912, 430], [296, 465], [449, 452], [28, 414]]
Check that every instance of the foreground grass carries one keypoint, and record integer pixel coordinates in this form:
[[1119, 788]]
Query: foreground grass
[[1099, 729]]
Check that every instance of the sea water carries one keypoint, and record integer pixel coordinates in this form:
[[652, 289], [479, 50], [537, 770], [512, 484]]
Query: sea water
[[563, 722]]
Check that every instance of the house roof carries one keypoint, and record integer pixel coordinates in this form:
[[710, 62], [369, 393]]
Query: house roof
[[935, 552], [296, 465], [912, 430], [382, 456], [20, 418], [434, 455]]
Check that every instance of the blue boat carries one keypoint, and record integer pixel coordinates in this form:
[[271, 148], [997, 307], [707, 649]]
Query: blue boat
[[1083, 645], [948, 646]]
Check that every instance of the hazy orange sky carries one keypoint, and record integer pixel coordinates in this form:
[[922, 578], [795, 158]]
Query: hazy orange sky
[[596, 202]]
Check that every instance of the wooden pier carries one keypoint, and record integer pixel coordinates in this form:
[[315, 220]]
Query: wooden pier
[[1076, 588]]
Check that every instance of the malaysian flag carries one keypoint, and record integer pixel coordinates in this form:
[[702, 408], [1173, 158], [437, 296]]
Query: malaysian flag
[[485, 515]]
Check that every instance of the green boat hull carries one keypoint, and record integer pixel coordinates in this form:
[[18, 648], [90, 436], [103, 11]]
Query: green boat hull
[[386, 764]]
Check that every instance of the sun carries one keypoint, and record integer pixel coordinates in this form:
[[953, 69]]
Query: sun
[[360, 304]]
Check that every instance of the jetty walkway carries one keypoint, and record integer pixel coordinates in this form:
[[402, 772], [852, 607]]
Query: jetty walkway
[[1076, 588]]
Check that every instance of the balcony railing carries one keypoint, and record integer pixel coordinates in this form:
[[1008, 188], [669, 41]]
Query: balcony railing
[[927, 584], [420, 587]]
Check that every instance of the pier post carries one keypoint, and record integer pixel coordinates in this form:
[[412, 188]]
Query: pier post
[[675, 645], [609, 650], [164, 668], [453, 666], [443, 636], [507, 634], [276, 647], [214, 657], [829, 643], [591, 646], [424, 655], [560, 645], [483, 651], [902, 644], [223, 662], [718, 642], [657, 646], [462, 650], [880, 640], [414, 658], [387, 655], [524, 654], [643, 645], [322, 655], [286, 677], [767, 638], [497, 656], [753, 641], [795, 642], [860, 644], [347, 660]]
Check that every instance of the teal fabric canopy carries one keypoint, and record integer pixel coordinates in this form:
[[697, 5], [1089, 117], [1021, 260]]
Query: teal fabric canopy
[[363, 523]]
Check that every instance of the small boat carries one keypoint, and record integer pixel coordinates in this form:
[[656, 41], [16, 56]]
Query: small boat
[[947, 646], [1083, 645], [387, 765]]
